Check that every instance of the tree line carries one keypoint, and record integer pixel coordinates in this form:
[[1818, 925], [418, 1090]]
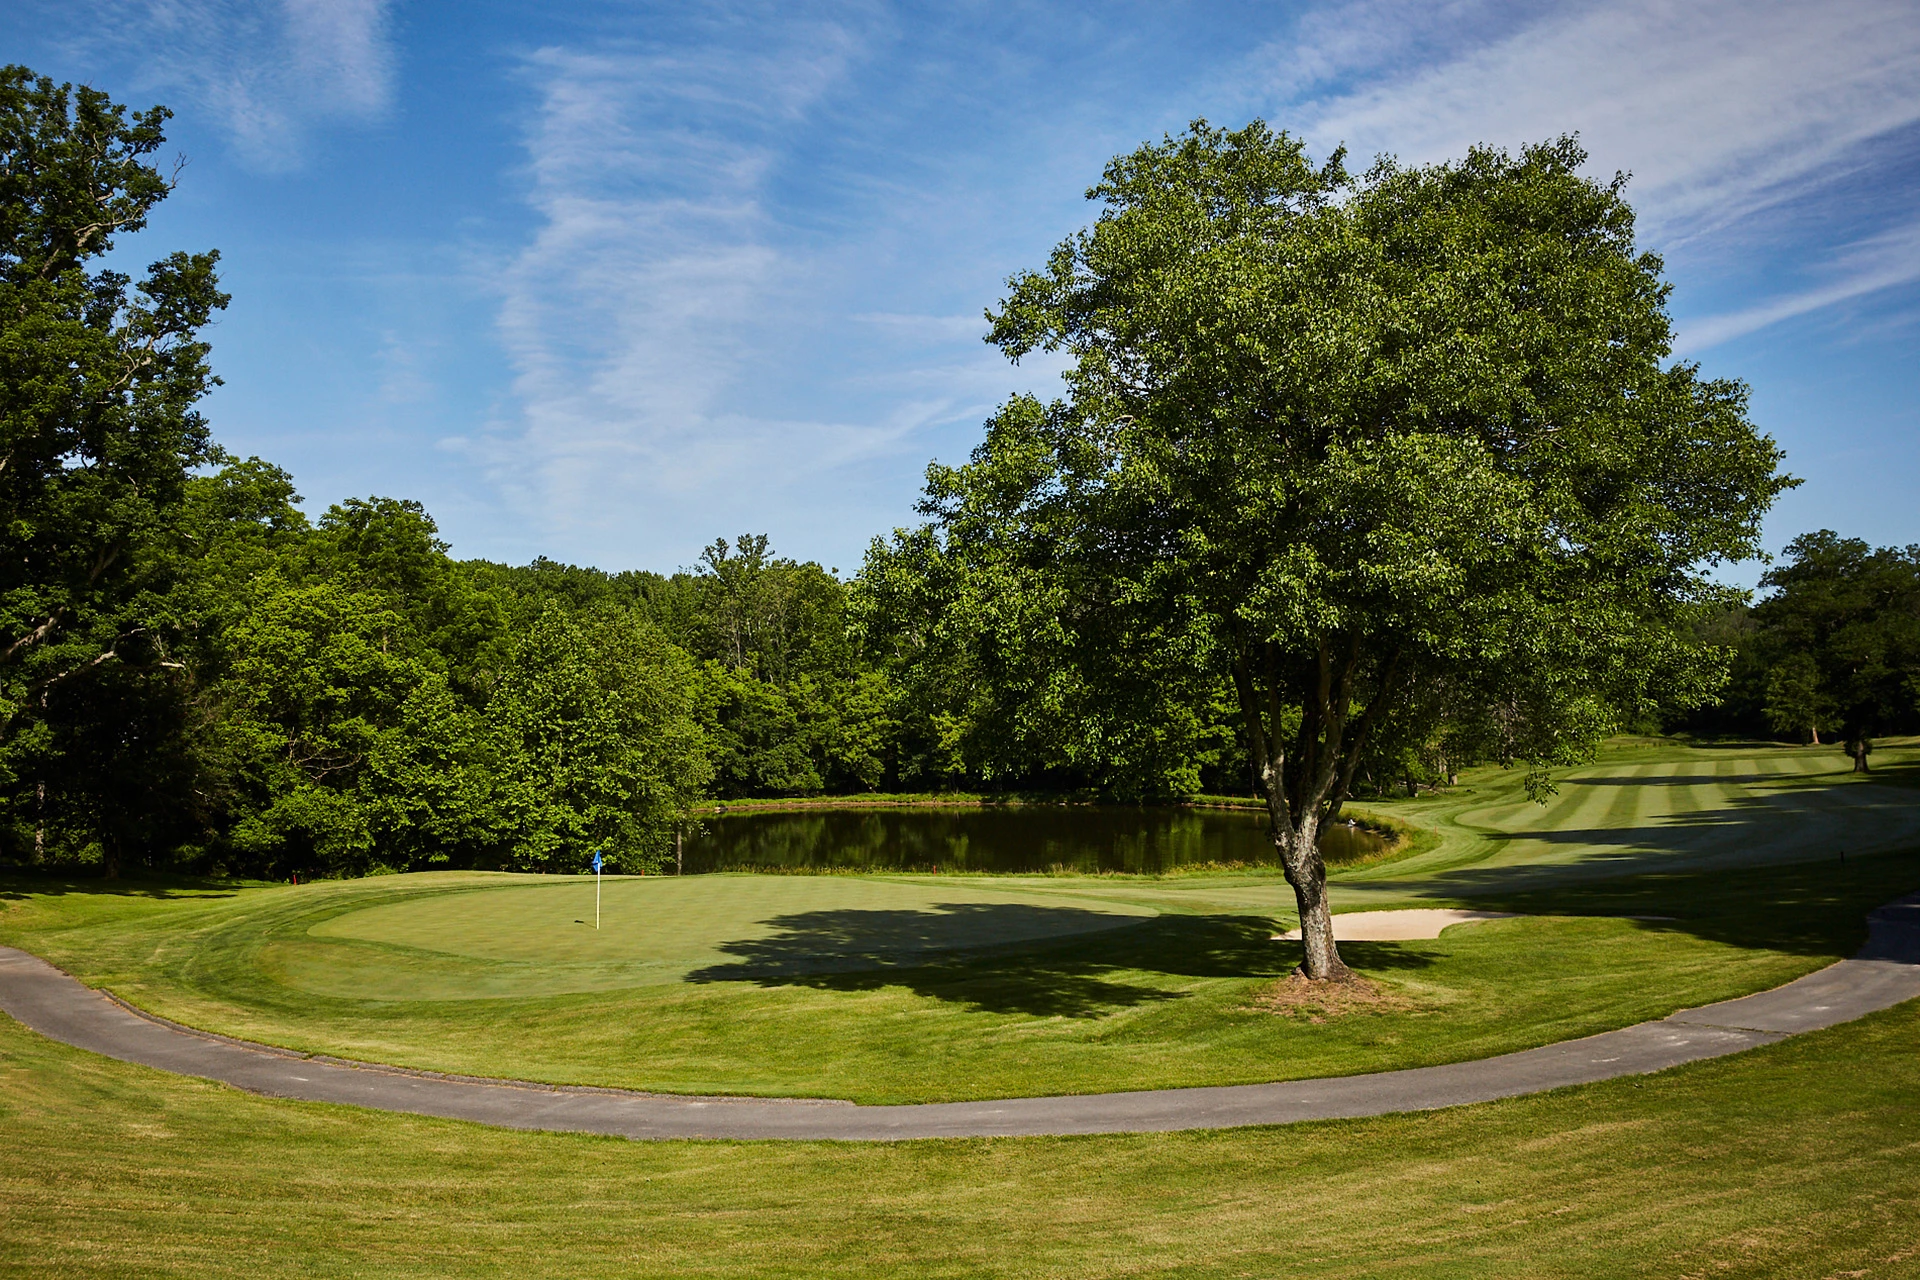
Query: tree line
[[1359, 479], [1830, 655]]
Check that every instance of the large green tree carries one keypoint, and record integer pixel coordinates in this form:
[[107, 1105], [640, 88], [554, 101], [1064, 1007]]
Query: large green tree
[[98, 437], [1341, 440]]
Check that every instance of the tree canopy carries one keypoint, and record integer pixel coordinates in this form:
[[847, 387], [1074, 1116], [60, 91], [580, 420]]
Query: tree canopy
[[1363, 446], [1840, 633]]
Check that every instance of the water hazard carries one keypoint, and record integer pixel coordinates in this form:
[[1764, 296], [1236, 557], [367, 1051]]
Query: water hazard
[[1024, 838]]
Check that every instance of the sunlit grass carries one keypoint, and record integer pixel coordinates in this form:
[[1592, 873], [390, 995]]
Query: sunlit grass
[[1798, 1160]]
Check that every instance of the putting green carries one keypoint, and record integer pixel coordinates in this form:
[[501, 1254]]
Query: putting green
[[539, 939]]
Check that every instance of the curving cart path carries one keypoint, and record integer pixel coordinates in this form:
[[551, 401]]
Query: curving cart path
[[1886, 972]]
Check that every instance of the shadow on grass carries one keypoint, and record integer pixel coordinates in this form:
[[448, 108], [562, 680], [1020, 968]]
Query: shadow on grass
[[1686, 780], [1830, 809], [1080, 976], [1904, 773], [1750, 744], [1803, 908], [19, 884]]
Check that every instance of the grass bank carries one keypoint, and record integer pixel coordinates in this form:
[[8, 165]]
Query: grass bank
[[1798, 1160]]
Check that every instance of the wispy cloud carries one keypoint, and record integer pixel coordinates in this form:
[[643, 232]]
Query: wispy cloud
[[1720, 108], [662, 296], [269, 73], [1732, 115], [1883, 261]]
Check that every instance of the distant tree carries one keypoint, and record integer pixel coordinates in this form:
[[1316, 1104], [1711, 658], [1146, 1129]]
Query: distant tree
[[1841, 624], [1338, 440], [759, 736], [1796, 702], [319, 682], [391, 547], [768, 616], [596, 743]]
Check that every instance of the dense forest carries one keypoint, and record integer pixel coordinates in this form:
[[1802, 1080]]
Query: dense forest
[[194, 673]]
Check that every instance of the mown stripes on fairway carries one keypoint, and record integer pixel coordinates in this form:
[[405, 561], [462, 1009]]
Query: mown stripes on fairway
[[1678, 809]]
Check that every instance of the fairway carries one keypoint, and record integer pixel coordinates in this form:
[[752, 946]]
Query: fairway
[[1654, 806]]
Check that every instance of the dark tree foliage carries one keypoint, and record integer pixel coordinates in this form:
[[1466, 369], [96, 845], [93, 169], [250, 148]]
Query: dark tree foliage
[[1839, 636], [98, 437]]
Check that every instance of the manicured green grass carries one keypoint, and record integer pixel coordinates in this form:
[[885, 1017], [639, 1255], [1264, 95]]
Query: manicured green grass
[[1798, 1160], [538, 937], [890, 988], [1647, 805]]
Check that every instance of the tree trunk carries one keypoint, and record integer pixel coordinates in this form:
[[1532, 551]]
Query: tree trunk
[[1302, 791], [1814, 730], [1299, 849]]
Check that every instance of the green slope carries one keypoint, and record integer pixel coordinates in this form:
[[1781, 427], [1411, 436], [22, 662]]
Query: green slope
[[1797, 1161]]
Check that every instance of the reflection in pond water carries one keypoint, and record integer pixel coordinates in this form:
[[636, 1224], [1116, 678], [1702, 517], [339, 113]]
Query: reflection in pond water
[[995, 839]]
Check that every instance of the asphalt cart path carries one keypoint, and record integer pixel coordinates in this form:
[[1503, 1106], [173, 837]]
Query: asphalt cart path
[[1885, 973]]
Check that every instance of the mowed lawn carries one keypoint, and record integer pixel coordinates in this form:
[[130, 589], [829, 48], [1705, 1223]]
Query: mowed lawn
[[1654, 804], [913, 988], [1798, 1160]]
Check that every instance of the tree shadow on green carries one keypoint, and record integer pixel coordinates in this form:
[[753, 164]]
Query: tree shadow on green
[[1684, 780], [1096, 972]]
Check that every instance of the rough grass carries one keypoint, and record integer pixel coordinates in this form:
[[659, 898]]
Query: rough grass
[[1798, 1160]]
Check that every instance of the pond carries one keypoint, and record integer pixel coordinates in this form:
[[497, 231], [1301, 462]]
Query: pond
[[1022, 838]]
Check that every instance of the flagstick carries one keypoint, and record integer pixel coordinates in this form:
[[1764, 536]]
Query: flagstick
[[596, 897]]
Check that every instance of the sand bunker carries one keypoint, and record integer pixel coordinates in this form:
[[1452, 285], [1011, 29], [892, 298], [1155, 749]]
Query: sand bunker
[[1398, 926]]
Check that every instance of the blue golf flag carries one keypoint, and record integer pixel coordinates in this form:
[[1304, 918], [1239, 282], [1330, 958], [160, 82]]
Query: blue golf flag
[[596, 888]]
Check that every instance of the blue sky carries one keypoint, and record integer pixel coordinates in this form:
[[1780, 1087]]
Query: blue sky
[[606, 281]]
